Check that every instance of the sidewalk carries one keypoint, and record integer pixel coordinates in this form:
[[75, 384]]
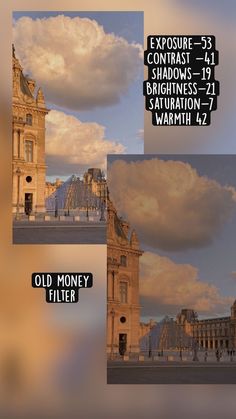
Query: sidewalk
[[73, 217], [173, 358]]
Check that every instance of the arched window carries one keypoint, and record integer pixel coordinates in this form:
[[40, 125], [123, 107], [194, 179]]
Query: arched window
[[123, 260], [123, 292], [29, 119], [29, 151]]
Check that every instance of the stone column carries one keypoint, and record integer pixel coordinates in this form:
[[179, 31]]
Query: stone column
[[18, 193], [133, 334], [14, 192], [114, 292], [109, 285], [21, 196], [21, 144], [109, 330], [35, 151], [112, 331], [15, 144], [209, 343]]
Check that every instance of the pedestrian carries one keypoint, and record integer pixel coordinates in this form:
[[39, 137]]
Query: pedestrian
[[217, 355], [205, 356]]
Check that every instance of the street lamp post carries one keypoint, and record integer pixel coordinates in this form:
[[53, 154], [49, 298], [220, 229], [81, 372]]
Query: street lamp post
[[232, 345], [149, 345], [56, 206], [102, 217], [180, 343], [87, 211], [195, 356], [87, 201], [18, 173], [100, 198]]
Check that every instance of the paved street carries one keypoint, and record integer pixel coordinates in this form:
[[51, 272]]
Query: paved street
[[59, 232], [171, 373]]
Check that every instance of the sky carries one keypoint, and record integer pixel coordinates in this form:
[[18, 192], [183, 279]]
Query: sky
[[89, 65], [212, 17], [184, 211]]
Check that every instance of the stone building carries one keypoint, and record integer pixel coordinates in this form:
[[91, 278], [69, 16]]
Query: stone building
[[123, 307], [188, 332], [145, 328], [217, 332], [51, 187], [210, 333], [96, 182], [184, 327], [28, 143]]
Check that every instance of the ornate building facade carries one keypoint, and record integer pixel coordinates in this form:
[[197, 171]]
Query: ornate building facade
[[28, 143], [51, 187], [216, 333], [96, 182], [188, 332], [123, 307]]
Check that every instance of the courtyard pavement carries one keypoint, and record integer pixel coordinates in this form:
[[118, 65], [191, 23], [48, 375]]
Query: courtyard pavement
[[166, 372], [59, 232]]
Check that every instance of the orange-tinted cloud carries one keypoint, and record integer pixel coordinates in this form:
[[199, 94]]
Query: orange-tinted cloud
[[72, 144], [75, 61], [166, 287], [169, 203]]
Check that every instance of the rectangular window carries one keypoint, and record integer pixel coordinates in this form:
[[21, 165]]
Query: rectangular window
[[28, 119], [123, 260], [29, 151], [123, 292]]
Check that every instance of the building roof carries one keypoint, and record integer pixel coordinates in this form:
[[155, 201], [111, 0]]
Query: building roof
[[213, 319], [24, 86], [118, 227]]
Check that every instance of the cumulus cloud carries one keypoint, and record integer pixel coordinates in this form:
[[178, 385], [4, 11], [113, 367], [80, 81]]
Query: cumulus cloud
[[75, 61], [72, 145], [166, 287], [169, 203]]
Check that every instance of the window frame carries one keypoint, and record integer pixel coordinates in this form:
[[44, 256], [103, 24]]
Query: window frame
[[123, 291], [123, 260], [29, 151], [29, 119]]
